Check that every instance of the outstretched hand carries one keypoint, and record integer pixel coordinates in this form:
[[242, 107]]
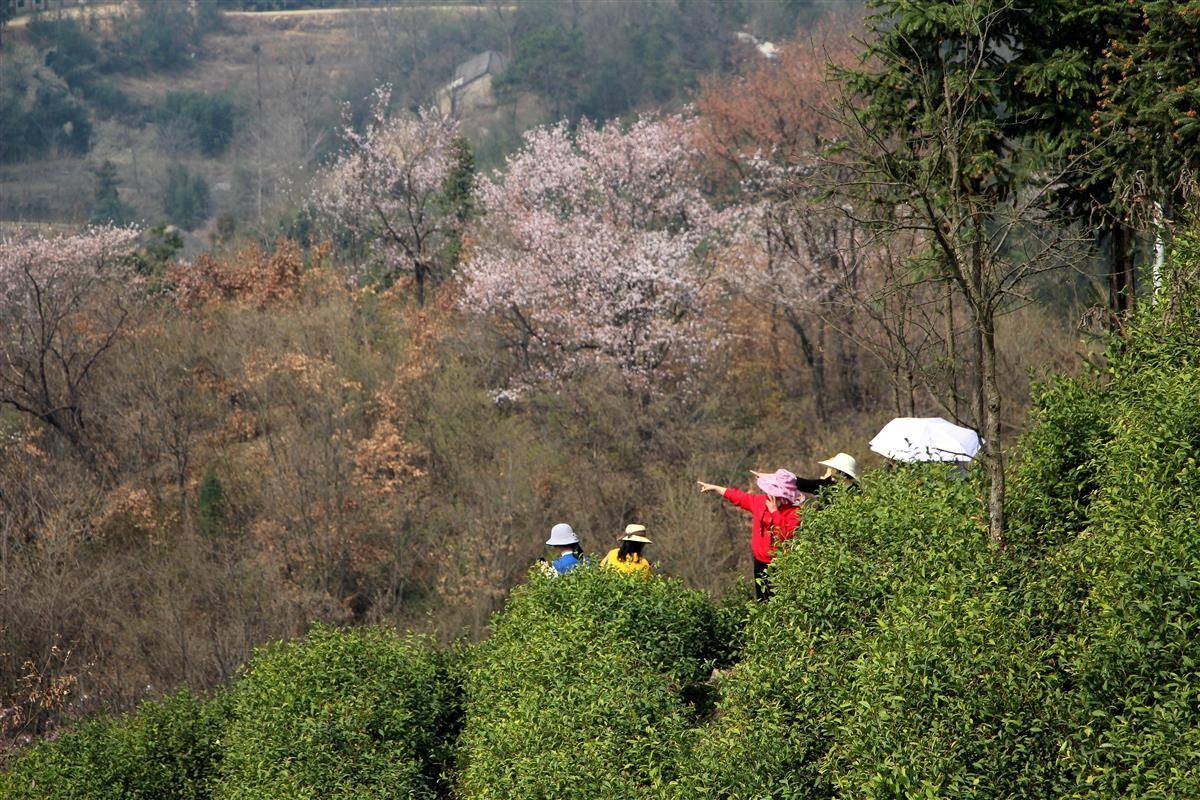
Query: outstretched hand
[[710, 487]]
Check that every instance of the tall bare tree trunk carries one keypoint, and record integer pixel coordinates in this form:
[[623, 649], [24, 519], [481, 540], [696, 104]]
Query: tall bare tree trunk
[[258, 203], [978, 403], [1120, 273], [991, 430], [951, 354]]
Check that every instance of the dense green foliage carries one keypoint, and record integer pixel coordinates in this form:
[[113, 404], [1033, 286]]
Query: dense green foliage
[[212, 505], [39, 117], [902, 656], [580, 690], [1055, 477], [339, 714], [1147, 124], [166, 751], [186, 201], [207, 120], [889, 660], [109, 207], [1125, 593]]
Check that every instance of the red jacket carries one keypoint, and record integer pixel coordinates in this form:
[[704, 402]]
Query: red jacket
[[769, 528]]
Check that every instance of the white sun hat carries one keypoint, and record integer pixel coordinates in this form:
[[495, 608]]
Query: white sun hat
[[926, 439], [562, 535], [636, 533], [844, 463]]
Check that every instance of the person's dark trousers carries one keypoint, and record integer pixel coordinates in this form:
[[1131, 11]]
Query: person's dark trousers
[[762, 584]]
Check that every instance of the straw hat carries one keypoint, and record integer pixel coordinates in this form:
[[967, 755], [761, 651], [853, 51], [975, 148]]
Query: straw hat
[[634, 533], [562, 535], [844, 463]]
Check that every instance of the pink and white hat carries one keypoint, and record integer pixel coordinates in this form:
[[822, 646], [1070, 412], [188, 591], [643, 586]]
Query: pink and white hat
[[780, 484]]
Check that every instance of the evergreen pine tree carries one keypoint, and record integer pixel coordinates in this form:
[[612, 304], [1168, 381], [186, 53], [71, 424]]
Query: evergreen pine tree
[[187, 202], [211, 504], [458, 197], [109, 208]]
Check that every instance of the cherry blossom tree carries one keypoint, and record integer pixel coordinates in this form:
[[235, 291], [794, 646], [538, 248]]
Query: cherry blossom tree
[[64, 301], [387, 190], [594, 249], [762, 132]]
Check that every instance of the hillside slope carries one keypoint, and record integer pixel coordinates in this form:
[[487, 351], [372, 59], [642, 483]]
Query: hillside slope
[[288, 75], [902, 655]]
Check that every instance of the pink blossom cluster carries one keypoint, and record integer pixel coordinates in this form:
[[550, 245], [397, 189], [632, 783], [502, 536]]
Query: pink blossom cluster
[[386, 184], [39, 272], [794, 244], [595, 249]]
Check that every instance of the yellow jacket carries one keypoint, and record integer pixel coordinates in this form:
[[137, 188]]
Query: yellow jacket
[[634, 566]]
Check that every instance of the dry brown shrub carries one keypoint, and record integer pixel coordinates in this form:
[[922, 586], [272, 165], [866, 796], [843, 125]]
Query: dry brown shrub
[[251, 275]]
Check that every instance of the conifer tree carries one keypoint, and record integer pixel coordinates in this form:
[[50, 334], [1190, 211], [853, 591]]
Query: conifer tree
[[109, 208], [939, 148], [458, 195], [210, 501]]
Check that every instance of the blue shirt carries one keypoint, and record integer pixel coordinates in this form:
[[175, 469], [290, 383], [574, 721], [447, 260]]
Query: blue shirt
[[565, 563]]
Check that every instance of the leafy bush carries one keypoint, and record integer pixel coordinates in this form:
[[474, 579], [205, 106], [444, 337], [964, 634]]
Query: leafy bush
[[580, 690], [167, 750], [1125, 594], [862, 675], [206, 119], [1054, 476], [109, 208], [211, 505], [951, 695], [339, 714], [38, 115]]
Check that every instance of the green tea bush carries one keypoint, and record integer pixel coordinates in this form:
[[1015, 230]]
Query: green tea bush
[[1055, 473], [167, 750], [1129, 614], [950, 696], [581, 691], [340, 714], [876, 660]]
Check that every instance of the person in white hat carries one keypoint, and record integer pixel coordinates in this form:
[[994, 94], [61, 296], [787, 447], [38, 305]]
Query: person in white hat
[[627, 558], [570, 552], [840, 467]]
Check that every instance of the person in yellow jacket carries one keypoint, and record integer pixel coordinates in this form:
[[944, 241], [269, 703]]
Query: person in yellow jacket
[[627, 558]]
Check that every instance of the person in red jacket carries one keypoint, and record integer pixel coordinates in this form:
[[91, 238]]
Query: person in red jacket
[[775, 514]]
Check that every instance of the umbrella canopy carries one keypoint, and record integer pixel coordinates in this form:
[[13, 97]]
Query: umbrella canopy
[[925, 439]]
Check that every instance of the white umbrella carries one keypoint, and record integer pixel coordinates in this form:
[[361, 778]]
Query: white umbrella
[[925, 439]]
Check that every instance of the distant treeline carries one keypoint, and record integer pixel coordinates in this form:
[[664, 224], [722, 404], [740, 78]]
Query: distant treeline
[[596, 60]]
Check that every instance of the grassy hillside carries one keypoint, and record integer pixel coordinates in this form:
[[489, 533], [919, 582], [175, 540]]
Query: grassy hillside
[[287, 75], [902, 656]]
